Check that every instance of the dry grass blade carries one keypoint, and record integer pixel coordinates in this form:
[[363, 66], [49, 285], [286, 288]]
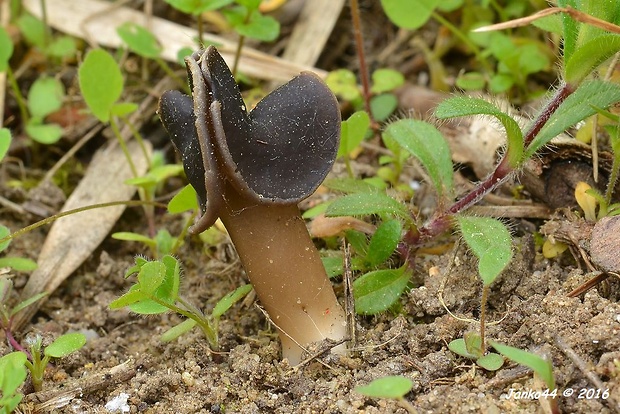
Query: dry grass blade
[[575, 14], [73, 238], [85, 18]]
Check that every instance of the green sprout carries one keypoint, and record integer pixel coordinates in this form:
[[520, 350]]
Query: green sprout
[[157, 291], [61, 347], [392, 387]]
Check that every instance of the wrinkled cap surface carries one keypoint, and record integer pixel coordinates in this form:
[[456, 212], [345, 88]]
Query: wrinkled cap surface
[[282, 150], [176, 111]]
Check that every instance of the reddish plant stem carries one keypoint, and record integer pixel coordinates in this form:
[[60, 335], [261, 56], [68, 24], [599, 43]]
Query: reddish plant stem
[[359, 44], [442, 221]]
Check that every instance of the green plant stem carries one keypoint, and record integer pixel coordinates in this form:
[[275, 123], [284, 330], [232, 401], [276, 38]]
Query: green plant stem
[[483, 315], [138, 138], [184, 232], [463, 38], [21, 102], [238, 55], [361, 57], [196, 316], [407, 406], [47, 34], [123, 145], [200, 29], [129, 203], [166, 68]]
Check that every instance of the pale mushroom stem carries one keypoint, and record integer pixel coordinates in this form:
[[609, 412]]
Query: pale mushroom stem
[[286, 271]]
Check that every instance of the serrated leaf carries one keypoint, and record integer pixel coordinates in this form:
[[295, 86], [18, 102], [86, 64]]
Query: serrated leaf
[[393, 387], [352, 132], [230, 299], [578, 106], [65, 344], [383, 242], [101, 83], [139, 40], [490, 241], [409, 14], [376, 291], [363, 204], [539, 365], [425, 142], [466, 106]]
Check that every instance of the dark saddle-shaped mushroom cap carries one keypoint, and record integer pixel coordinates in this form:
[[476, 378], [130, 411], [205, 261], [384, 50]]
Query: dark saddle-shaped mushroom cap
[[280, 152]]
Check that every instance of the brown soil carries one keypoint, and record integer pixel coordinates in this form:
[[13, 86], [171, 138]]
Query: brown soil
[[125, 357]]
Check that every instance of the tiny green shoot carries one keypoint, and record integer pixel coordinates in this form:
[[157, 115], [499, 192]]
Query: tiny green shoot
[[61, 347], [392, 387], [157, 291]]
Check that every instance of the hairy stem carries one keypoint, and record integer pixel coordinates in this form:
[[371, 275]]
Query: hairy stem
[[441, 222]]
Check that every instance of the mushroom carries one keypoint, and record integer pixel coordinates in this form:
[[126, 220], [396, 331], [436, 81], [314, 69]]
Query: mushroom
[[251, 170]]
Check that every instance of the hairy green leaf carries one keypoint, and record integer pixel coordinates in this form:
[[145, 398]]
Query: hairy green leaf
[[539, 365], [352, 132], [394, 387], [425, 142], [363, 204], [65, 344], [376, 291], [467, 106], [383, 242], [490, 241], [230, 299], [589, 56], [578, 106]]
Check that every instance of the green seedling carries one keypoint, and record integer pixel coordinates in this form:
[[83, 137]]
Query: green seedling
[[392, 387], [38, 34], [470, 346], [157, 291], [101, 83], [12, 375], [541, 367], [243, 16], [162, 244], [41, 356], [382, 103], [490, 241], [7, 312], [143, 43], [44, 97]]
